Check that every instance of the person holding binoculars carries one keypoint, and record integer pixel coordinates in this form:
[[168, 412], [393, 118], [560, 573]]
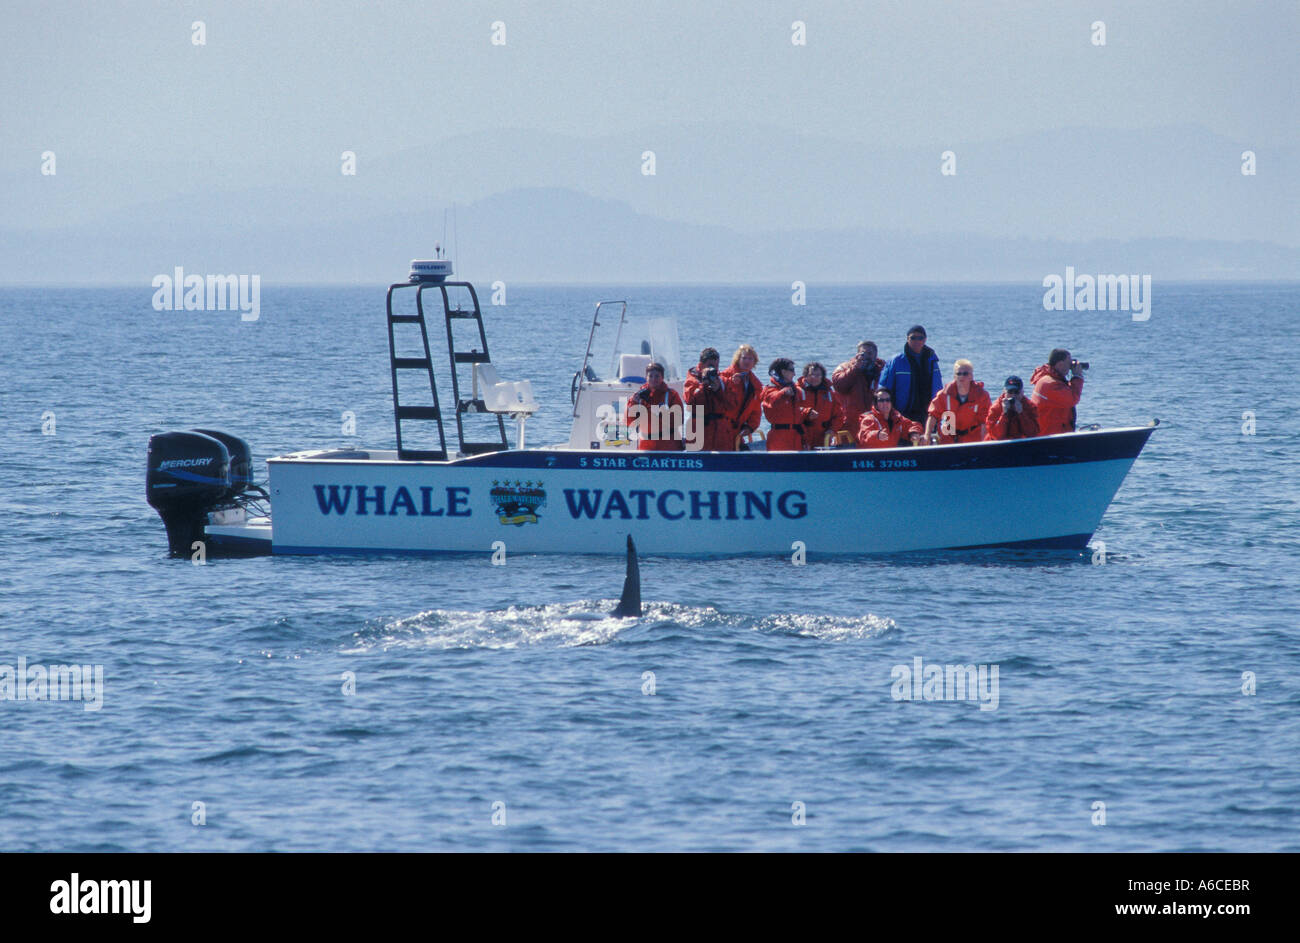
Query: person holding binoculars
[[1054, 395], [706, 389]]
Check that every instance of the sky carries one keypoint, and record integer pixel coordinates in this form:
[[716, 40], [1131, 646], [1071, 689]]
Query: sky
[[1139, 138], [123, 79]]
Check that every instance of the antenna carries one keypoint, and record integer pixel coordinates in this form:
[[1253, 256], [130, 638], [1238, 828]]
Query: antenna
[[455, 235], [444, 226]]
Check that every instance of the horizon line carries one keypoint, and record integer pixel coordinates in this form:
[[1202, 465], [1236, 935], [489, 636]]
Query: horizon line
[[291, 283]]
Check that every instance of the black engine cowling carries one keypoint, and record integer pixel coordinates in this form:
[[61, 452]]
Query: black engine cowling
[[241, 458], [188, 474]]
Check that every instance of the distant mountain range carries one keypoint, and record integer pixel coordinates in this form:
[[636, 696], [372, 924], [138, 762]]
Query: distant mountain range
[[728, 203]]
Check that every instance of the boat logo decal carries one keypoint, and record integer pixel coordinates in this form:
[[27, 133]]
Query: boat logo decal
[[517, 503]]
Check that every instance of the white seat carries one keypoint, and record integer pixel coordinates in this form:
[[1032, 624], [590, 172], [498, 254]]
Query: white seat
[[524, 402], [501, 396], [631, 367]]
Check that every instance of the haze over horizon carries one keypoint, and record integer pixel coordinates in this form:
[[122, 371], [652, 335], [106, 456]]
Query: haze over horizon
[[772, 161]]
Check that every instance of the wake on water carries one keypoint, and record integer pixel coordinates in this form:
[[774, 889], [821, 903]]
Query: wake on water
[[588, 622], [594, 623]]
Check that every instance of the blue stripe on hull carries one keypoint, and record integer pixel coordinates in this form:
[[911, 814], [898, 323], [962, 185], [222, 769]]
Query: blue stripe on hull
[[1105, 446], [233, 546], [1070, 542]]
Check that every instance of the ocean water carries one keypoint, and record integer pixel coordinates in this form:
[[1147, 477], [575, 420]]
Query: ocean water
[[504, 693]]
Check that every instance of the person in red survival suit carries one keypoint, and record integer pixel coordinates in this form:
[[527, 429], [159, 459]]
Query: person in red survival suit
[[855, 380], [745, 404], [885, 427], [1013, 416], [966, 405], [830, 409], [785, 406], [1054, 397], [704, 388], [656, 413]]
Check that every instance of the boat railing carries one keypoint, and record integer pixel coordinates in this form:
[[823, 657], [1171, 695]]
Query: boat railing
[[585, 372]]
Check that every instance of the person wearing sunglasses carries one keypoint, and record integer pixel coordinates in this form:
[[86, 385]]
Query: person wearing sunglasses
[[884, 427], [787, 408], [913, 378], [960, 409]]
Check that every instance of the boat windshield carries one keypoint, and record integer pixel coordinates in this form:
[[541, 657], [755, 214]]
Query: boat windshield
[[634, 340]]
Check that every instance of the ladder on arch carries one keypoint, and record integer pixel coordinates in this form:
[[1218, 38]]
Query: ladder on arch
[[459, 358]]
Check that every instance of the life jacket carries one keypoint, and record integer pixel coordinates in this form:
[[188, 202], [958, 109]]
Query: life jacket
[[1002, 424], [718, 435], [786, 415], [745, 406], [669, 427], [967, 418], [898, 427], [830, 413], [1055, 400], [857, 391]]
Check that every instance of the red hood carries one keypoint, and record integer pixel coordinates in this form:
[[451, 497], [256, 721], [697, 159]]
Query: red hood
[[1043, 371]]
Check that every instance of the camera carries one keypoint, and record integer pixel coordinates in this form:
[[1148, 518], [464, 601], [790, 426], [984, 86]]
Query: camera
[[710, 373], [1078, 366]]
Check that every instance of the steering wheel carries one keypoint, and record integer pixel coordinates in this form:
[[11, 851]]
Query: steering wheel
[[577, 377]]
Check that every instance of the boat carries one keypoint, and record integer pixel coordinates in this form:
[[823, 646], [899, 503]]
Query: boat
[[588, 494]]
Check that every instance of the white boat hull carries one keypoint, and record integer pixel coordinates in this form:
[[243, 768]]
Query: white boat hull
[[1048, 492]]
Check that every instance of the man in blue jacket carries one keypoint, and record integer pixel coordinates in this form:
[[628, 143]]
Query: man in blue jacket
[[913, 377]]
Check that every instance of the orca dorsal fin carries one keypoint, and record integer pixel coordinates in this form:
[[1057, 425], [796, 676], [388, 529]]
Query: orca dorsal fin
[[630, 603]]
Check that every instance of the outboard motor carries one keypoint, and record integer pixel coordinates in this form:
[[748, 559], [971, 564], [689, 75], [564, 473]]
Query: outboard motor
[[188, 473], [241, 459]]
